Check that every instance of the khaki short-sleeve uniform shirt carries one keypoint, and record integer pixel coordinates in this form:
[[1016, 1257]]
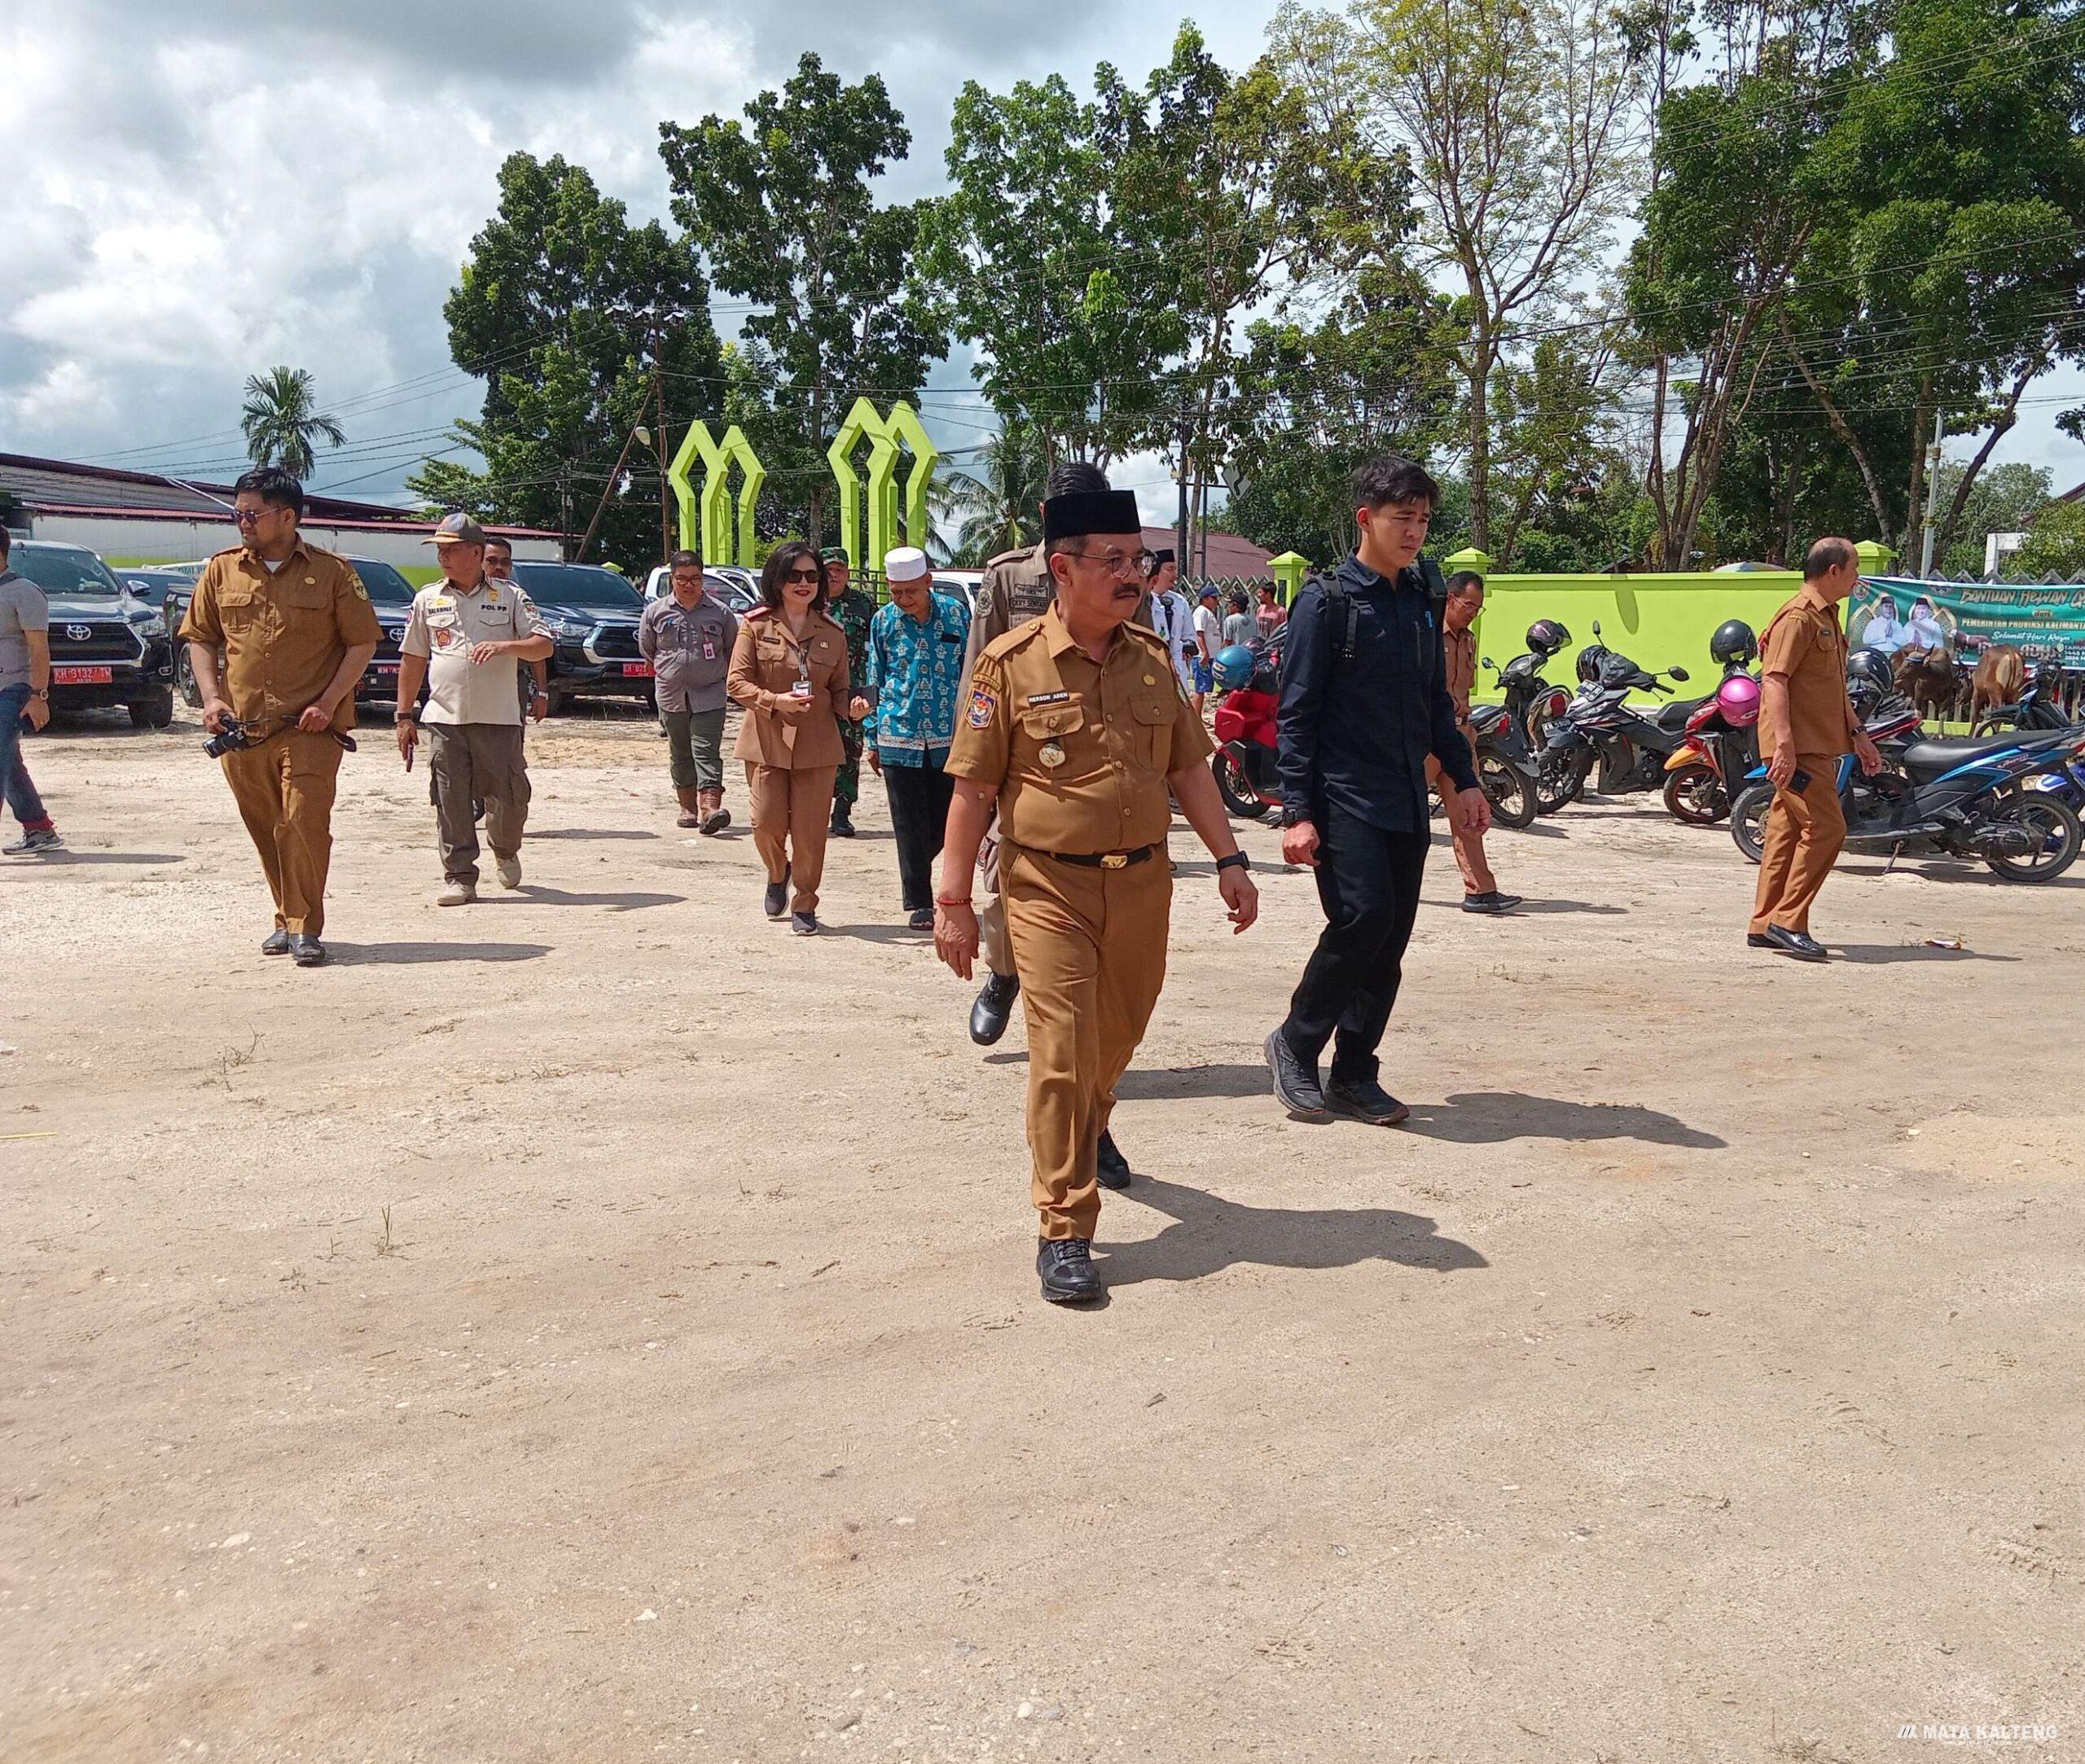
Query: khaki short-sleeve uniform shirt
[[1080, 750], [284, 631], [1803, 643], [446, 621]]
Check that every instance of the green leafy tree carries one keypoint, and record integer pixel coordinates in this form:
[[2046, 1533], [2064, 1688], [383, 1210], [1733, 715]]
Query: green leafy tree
[[1257, 188], [2055, 548], [1313, 401], [1517, 119], [994, 503], [2005, 499], [281, 423], [576, 320], [783, 208], [1953, 275], [1073, 318]]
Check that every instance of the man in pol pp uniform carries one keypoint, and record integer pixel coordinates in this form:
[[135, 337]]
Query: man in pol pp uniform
[[1074, 729]]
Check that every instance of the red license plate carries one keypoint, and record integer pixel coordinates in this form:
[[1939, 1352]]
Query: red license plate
[[81, 676], [637, 670]]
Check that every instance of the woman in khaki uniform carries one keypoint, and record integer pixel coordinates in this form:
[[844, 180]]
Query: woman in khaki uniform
[[789, 670]]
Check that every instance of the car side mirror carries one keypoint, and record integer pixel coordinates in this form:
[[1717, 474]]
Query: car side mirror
[[1678, 674]]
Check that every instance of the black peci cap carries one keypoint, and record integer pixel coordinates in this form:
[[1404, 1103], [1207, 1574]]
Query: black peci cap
[[1081, 512], [1165, 556]]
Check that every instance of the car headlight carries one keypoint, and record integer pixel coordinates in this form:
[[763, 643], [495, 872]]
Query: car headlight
[[563, 627], [152, 624]]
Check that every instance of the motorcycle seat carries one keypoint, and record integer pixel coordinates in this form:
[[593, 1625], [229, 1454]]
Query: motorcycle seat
[[1936, 757], [1674, 716]]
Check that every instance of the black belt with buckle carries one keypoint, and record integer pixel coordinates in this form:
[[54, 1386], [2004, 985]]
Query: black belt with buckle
[[1104, 860]]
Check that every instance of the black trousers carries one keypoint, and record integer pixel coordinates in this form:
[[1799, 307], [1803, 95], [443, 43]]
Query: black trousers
[[1368, 884], [919, 797]]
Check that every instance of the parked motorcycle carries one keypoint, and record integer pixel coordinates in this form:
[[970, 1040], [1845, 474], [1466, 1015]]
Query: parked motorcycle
[[1722, 740], [1599, 727], [1532, 703], [2040, 707], [1248, 676], [1505, 768], [2001, 798]]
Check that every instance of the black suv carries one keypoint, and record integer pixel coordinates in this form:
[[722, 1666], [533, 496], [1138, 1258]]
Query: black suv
[[389, 593], [591, 613], [106, 648]]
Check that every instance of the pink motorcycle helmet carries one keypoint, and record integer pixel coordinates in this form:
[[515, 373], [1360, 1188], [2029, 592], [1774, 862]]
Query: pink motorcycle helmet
[[1738, 699]]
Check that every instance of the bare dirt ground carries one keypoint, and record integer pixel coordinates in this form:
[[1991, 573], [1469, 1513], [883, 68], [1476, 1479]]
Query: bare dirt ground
[[597, 1325]]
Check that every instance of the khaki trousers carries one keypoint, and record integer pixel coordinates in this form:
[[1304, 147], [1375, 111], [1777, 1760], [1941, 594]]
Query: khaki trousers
[[284, 790], [469, 763], [792, 807], [1089, 948], [1804, 833]]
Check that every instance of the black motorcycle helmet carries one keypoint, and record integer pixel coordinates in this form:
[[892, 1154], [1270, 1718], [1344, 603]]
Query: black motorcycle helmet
[[2048, 675], [1733, 642], [1547, 636], [1871, 667], [1591, 659]]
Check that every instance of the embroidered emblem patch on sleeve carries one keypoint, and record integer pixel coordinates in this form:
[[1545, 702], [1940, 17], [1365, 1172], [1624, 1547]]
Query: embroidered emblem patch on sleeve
[[983, 706]]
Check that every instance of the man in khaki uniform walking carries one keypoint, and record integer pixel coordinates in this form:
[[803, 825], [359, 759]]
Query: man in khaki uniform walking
[[466, 639], [297, 629], [1806, 722], [1074, 729], [1018, 587]]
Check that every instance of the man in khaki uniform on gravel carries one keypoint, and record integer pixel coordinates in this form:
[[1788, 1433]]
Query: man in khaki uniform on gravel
[[297, 629], [1016, 588], [1074, 730], [466, 639], [1806, 722]]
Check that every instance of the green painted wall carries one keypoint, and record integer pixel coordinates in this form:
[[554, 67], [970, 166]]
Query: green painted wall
[[1656, 621]]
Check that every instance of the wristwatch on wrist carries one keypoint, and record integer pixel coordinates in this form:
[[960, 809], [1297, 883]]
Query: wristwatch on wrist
[[1236, 861], [1292, 816], [403, 715]]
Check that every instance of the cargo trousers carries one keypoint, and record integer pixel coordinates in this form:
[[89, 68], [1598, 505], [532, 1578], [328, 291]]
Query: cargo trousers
[[468, 763]]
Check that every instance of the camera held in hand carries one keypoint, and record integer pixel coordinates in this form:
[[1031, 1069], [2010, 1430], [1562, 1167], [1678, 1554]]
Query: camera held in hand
[[231, 738]]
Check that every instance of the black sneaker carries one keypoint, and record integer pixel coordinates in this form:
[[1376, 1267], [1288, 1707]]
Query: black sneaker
[[1296, 1086], [920, 918], [42, 839], [1490, 901], [1364, 1099], [804, 924], [990, 1015], [277, 942], [1066, 1265], [1114, 1171], [776, 900]]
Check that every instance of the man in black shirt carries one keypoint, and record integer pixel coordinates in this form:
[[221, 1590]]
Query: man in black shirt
[[1364, 700]]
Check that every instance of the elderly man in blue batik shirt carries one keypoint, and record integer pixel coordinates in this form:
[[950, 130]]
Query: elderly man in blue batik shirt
[[916, 646]]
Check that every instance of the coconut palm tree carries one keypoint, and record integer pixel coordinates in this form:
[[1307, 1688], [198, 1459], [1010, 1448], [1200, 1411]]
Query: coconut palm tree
[[280, 423], [994, 503]]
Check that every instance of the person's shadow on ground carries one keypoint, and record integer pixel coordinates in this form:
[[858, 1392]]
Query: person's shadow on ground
[[1492, 1117], [1210, 1234]]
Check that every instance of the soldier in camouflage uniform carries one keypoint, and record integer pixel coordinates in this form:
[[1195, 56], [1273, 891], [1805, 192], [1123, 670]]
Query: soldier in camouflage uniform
[[851, 610]]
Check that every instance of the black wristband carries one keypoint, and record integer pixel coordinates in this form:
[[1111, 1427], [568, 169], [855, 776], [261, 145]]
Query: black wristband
[[1236, 861]]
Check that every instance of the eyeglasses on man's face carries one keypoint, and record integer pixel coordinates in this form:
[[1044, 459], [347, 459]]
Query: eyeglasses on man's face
[[1126, 566]]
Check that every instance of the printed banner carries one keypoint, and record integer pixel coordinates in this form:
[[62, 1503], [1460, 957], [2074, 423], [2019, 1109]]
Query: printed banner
[[2042, 622]]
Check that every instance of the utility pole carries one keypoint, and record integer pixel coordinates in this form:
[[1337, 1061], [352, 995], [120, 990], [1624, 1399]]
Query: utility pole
[[665, 490], [1932, 502], [1180, 526]]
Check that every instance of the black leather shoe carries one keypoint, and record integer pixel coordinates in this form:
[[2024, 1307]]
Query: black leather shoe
[[1800, 944], [843, 827], [776, 900], [306, 951], [1066, 1265], [1296, 1086], [1757, 940], [994, 1006], [277, 942], [1491, 902], [1114, 1168], [1364, 1099]]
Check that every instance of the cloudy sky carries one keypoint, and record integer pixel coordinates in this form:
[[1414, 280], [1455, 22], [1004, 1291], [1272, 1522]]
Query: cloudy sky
[[198, 191]]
